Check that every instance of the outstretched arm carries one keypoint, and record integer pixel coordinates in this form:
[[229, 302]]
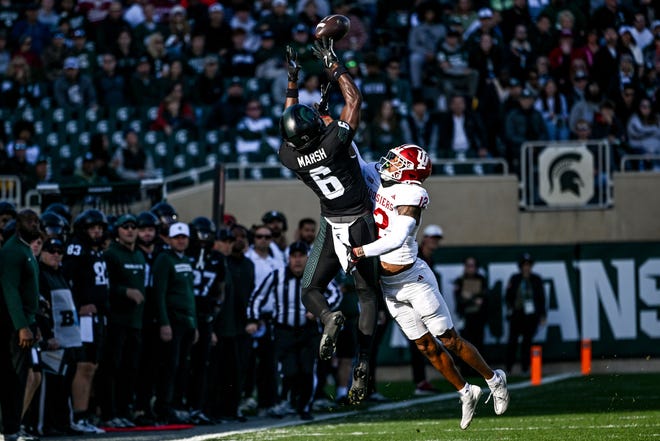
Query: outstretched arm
[[323, 50], [293, 68], [401, 227]]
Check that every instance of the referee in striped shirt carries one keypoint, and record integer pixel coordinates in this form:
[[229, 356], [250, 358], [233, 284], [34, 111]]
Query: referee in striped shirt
[[297, 333]]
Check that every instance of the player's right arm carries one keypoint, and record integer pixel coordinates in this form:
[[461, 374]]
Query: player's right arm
[[400, 228], [292, 71]]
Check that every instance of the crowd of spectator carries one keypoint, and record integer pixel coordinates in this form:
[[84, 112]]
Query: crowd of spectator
[[489, 74]]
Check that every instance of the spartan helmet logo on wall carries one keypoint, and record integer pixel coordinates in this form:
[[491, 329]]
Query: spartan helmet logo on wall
[[566, 175]]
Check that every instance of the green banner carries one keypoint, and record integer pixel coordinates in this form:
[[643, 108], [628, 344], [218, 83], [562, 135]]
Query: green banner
[[608, 293]]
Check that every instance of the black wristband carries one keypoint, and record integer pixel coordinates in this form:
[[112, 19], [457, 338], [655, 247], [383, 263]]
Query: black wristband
[[292, 93], [339, 71]]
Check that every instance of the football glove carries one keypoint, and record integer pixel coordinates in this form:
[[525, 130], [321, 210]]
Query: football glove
[[323, 50], [323, 106], [352, 259], [292, 64]]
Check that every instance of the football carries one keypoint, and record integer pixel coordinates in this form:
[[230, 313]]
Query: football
[[333, 26]]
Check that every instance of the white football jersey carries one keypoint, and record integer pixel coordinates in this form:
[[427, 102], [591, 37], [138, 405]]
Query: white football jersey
[[387, 201]]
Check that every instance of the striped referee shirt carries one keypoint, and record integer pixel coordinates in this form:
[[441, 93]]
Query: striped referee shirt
[[283, 290]]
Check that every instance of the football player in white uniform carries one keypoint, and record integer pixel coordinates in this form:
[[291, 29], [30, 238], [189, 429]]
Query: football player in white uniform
[[409, 286]]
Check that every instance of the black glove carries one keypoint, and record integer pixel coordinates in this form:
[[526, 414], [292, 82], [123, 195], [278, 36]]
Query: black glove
[[352, 258], [324, 51], [292, 64], [323, 106]]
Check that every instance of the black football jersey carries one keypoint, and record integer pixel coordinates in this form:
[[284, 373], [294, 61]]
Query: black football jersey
[[331, 170], [208, 275], [85, 270]]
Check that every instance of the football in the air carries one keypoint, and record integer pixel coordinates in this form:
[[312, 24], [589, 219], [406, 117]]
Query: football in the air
[[333, 26]]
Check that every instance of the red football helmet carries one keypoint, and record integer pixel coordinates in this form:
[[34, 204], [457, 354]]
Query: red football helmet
[[408, 164]]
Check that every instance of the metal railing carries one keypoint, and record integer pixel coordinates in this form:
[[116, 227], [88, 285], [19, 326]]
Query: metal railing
[[639, 160]]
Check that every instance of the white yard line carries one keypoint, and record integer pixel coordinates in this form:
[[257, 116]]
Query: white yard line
[[377, 408]]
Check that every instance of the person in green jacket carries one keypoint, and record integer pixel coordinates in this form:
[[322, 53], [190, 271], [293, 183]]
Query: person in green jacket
[[19, 303], [177, 318], [127, 276]]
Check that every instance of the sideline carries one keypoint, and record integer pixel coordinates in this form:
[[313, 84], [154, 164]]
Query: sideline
[[377, 408]]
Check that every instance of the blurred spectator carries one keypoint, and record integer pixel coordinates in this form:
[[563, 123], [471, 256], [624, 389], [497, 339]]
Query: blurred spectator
[[216, 29], [195, 55], [70, 14], [640, 33], [463, 134], [177, 75], [486, 59], [578, 89], [471, 296], [612, 14], [306, 59], [99, 147], [29, 26], [607, 126], [47, 16], [357, 37], [542, 35], [606, 60], [279, 22], [309, 93], [53, 57], [243, 19], [652, 52], [421, 126], [126, 54], [10, 12], [87, 174], [629, 43], [513, 17], [562, 56], [566, 15], [147, 27], [385, 130], [582, 130], [526, 311], [110, 85], [626, 102], [423, 41], [625, 77], [256, 132], [520, 56], [590, 47], [131, 161], [94, 10], [157, 55], [19, 89], [174, 113], [108, 29], [375, 87], [23, 132], [179, 31], [585, 109], [400, 89], [551, 103], [24, 50], [208, 86], [309, 14], [5, 55], [269, 61], [455, 73], [487, 25], [145, 89], [239, 60], [83, 51], [74, 91], [644, 133], [18, 165], [520, 125], [229, 109]]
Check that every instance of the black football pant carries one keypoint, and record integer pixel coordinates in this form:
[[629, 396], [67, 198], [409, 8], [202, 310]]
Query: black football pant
[[323, 265], [173, 373], [200, 359], [119, 370], [14, 365]]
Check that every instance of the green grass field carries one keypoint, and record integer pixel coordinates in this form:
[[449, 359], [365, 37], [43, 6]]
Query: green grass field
[[600, 407]]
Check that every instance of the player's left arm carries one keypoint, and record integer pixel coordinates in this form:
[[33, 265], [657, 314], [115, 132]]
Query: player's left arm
[[401, 227]]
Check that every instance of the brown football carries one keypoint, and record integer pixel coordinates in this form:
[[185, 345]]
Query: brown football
[[333, 26]]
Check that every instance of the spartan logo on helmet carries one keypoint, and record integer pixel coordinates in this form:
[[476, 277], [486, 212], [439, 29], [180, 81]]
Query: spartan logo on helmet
[[566, 175]]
